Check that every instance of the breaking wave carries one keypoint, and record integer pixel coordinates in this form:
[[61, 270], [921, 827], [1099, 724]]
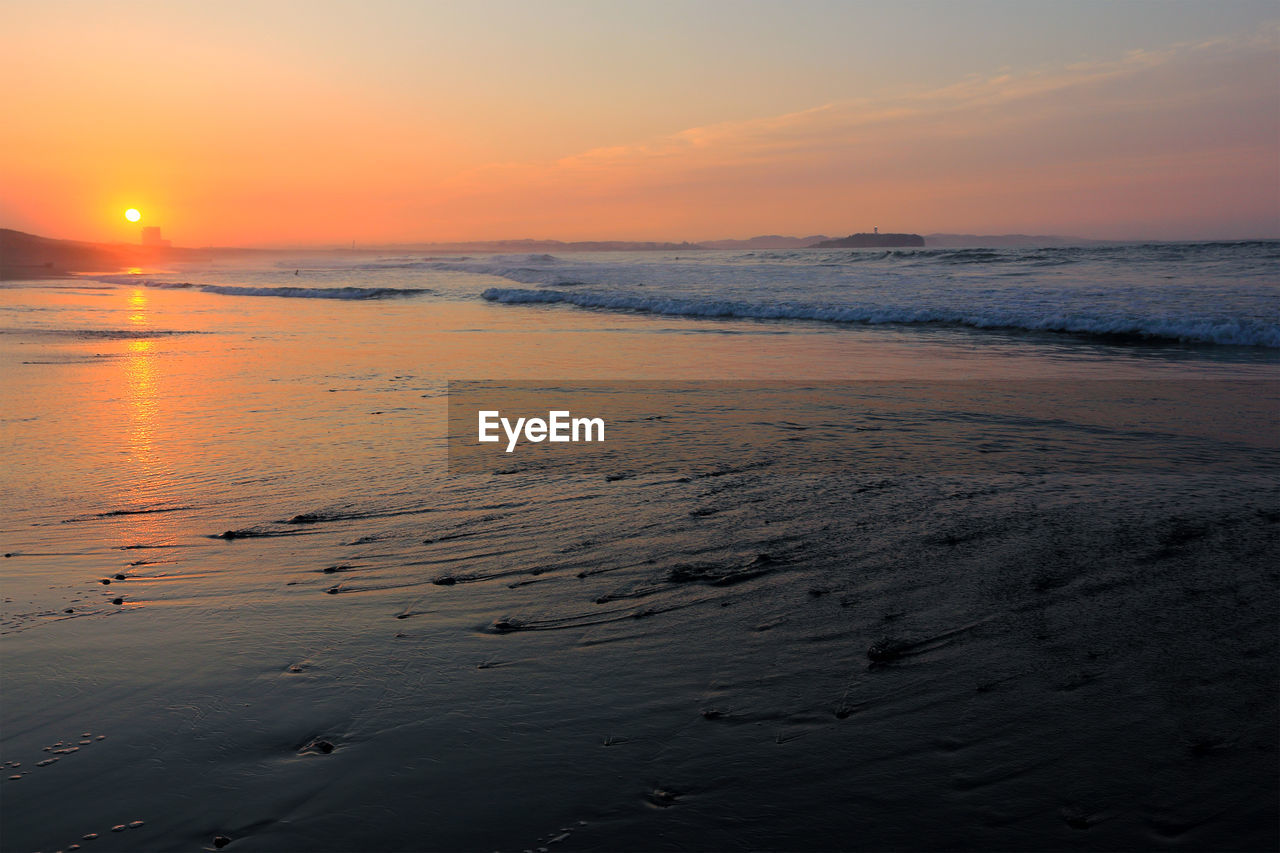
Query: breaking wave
[[1233, 332], [348, 293], [103, 334]]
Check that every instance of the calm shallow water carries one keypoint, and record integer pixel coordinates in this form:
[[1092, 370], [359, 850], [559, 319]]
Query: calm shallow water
[[1081, 632]]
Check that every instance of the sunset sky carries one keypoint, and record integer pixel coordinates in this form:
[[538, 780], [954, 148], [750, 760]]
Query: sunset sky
[[306, 123]]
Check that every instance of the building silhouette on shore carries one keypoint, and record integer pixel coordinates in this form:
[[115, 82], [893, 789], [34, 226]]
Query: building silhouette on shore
[[151, 237]]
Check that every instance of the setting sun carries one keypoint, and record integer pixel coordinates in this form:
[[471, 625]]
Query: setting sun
[[132, 215]]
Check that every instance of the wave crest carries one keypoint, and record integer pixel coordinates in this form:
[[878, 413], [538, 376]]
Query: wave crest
[[1235, 332], [348, 293]]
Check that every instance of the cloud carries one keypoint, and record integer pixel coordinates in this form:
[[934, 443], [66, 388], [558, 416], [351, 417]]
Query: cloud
[[1206, 112]]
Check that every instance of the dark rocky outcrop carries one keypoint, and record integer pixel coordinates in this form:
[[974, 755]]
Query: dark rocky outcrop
[[871, 241]]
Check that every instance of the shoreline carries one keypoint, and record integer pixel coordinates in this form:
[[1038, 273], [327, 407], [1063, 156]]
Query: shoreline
[[906, 650]]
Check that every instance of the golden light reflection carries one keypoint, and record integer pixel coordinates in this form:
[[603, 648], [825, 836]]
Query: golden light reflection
[[138, 307], [147, 478], [140, 387], [140, 391]]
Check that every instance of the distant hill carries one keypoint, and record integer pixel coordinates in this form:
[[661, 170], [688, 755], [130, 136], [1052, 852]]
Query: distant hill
[[25, 255], [932, 241], [1004, 241], [535, 246], [768, 241], [872, 241]]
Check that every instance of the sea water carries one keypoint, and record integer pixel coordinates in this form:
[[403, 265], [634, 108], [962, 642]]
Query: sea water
[[1193, 293], [985, 559]]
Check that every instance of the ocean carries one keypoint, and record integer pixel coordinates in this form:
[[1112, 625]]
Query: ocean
[[1190, 293], [892, 549]]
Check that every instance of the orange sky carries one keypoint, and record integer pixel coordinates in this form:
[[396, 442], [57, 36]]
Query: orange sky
[[320, 123]]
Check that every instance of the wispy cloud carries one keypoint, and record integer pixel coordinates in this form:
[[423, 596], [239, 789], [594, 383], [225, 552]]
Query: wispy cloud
[[1207, 112]]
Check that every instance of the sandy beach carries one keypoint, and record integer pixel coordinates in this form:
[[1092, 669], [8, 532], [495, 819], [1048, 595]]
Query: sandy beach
[[246, 598], [703, 426]]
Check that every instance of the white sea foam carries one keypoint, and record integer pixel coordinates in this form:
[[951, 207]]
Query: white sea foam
[[348, 293], [1197, 293], [1232, 332]]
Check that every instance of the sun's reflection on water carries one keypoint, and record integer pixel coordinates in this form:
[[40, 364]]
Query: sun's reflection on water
[[138, 314], [140, 392], [147, 481]]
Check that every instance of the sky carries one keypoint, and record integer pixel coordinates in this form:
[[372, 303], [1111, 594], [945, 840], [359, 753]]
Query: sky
[[323, 123]]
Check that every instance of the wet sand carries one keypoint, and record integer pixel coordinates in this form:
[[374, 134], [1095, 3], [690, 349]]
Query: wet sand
[[314, 638]]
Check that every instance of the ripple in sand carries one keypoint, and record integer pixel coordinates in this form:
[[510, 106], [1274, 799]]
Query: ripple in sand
[[1077, 818], [662, 797], [888, 649], [319, 746]]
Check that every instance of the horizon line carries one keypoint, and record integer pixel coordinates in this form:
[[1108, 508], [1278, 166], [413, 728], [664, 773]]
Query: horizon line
[[358, 245]]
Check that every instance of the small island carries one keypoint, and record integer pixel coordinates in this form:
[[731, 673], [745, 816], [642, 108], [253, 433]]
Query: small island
[[874, 240]]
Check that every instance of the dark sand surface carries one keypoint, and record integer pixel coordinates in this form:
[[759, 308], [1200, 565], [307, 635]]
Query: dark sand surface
[[1071, 645]]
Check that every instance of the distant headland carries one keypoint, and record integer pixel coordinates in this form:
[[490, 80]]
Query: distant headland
[[29, 256], [875, 240], [24, 256]]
